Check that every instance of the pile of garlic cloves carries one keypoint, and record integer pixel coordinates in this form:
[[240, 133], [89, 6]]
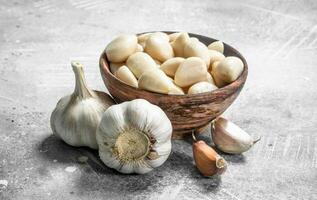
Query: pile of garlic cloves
[[173, 64]]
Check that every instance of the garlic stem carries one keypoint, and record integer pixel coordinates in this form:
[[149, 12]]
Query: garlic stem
[[81, 89], [255, 141]]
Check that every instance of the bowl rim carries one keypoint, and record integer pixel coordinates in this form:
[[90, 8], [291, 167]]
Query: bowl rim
[[104, 65]]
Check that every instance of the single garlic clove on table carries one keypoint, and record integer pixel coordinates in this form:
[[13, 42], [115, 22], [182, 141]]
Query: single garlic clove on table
[[119, 49], [190, 71], [134, 137], [76, 116], [230, 138]]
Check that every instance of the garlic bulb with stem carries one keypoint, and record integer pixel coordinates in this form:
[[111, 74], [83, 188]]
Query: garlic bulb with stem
[[76, 116], [134, 137], [230, 138]]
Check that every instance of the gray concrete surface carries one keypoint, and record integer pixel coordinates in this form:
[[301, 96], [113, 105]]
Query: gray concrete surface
[[278, 39]]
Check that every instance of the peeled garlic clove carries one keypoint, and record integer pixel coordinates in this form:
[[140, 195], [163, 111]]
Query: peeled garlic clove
[[208, 162], [143, 37], [173, 36], [190, 71], [158, 47], [228, 69], [134, 137], [215, 56], [140, 62], [213, 65], [193, 39], [119, 49], [154, 81], [217, 81], [174, 89], [139, 48], [76, 116], [158, 63], [170, 66], [194, 48], [210, 79], [179, 43], [201, 87], [217, 46], [164, 36], [230, 138], [125, 75], [115, 66]]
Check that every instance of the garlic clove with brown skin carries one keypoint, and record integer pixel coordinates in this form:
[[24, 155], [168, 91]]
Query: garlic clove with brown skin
[[76, 116], [207, 160], [230, 138]]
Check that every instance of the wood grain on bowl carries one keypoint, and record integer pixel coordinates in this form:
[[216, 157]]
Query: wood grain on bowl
[[186, 112]]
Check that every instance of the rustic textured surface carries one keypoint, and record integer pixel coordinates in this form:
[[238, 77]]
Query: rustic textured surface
[[278, 39]]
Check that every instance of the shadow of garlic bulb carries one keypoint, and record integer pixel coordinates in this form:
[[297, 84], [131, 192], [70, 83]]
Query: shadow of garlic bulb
[[134, 137]]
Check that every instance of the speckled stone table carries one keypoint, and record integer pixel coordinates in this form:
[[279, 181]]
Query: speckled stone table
[[278, 38]]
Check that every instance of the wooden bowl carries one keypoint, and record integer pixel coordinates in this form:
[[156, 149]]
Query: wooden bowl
[[186, 112]]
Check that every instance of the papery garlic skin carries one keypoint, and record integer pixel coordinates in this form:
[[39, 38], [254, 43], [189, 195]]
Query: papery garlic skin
[[76, 116], [134, 137], [207, 160], [230, 138]]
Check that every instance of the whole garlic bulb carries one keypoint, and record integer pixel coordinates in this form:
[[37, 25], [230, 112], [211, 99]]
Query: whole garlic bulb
[[76, 116], [230, 138], [134, 137]]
